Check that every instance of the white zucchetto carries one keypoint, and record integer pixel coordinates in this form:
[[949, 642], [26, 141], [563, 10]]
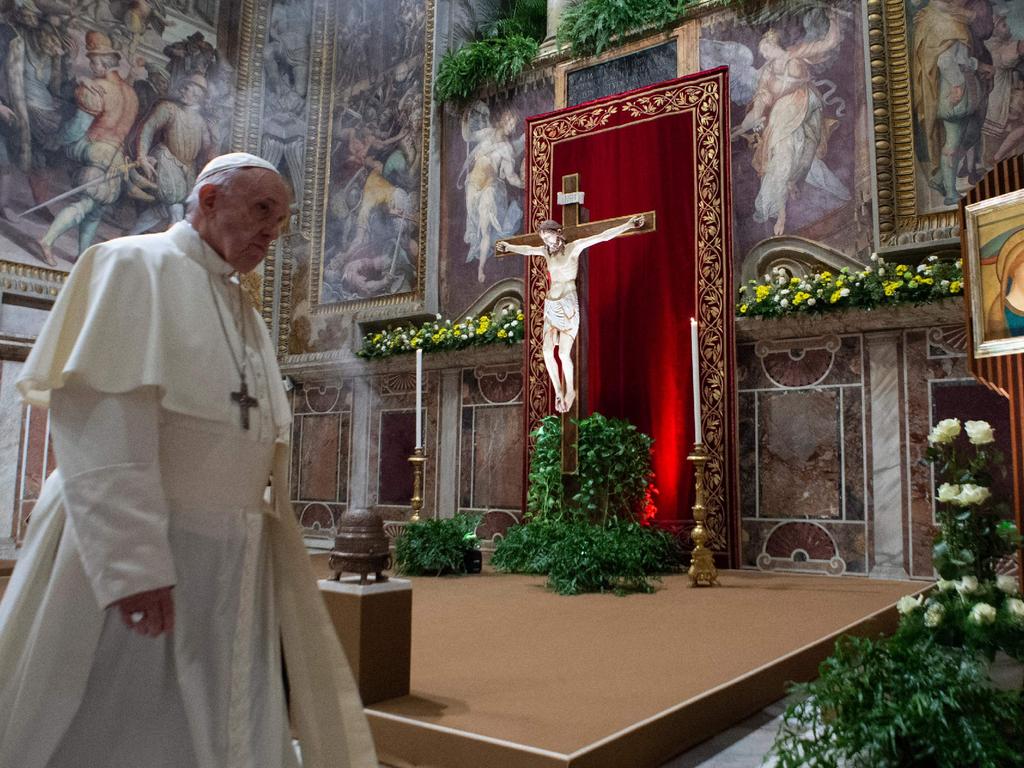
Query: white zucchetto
[[233, 160]]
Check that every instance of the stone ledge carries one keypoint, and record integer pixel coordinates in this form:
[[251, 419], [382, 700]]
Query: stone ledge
[[946, 312]]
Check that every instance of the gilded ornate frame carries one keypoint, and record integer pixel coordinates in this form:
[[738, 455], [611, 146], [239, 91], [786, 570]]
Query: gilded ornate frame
[[1009, 203], [707, 99], [899, 219]]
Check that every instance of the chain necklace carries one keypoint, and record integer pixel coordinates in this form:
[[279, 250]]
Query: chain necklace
[[241, 398]]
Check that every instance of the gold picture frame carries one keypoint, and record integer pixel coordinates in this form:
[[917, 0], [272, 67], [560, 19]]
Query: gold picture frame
[[994, 252]]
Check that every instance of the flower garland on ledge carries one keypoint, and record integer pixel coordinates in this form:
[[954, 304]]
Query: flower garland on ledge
[[881, 284], [504, 327]]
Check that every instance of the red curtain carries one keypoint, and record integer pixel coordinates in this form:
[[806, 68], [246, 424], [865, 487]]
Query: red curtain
[[640, 290]]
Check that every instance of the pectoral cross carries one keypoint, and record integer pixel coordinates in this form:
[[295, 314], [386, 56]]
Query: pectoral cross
[[244, 402], [571, 200]]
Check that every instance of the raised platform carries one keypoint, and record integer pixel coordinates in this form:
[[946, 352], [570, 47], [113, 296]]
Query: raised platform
[[506, 674]]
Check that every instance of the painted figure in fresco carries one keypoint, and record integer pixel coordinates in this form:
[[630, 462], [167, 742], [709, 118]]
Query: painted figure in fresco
[[95, 139], [492, 176], [288, 43], [1007, 53], [561, 303], [950, 94], [786, 123], [1005, 314], [1013, 142], [33, 53], [174, 143]]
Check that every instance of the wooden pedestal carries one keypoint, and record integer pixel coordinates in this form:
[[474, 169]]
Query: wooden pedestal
[[374, 624]]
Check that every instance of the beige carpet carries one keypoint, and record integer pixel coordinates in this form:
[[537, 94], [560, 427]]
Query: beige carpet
[[501, 657]]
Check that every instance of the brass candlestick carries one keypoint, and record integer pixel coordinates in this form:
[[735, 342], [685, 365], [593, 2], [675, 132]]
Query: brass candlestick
[[418, 459], [702, 565]]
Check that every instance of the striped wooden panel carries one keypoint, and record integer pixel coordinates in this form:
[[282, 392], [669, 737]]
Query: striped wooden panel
[[1003, 373]]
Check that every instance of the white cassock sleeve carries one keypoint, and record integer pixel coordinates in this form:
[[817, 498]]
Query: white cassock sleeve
[[107, 447]]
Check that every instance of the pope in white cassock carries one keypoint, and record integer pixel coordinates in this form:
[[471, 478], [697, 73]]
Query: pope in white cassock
[[159, 585]]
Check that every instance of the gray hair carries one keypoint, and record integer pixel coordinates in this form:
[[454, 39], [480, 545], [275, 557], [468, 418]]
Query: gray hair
[[216, 179]]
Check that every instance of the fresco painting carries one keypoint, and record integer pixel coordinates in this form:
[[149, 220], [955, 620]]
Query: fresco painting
[[484, 190], [372, 236], [107, 111], [796, 112]]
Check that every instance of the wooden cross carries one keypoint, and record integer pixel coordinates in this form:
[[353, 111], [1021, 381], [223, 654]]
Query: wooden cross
[[244, 402], [571, 200]]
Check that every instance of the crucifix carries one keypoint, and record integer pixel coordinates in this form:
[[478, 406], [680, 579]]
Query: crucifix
[[244, 402], [560, 246]]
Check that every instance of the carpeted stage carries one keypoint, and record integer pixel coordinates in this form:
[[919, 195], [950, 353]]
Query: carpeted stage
[[508, 675]]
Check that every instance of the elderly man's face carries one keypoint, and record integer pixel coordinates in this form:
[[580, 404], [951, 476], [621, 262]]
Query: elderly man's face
[[245, 216]]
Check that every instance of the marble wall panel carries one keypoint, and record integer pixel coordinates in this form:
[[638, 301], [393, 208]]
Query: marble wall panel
[[319, 453], [939, 387], [392, 437], [491, 440], [748, 454], [397, 441], [854, 456], [497, 458], [799, 451]]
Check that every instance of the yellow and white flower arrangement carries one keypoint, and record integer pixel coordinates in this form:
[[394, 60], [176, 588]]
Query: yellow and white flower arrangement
[[502, 327], [778, 294]]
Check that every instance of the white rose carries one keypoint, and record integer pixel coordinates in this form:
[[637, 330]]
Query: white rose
[[784, 303], [972, 494], [908, 604], [811, 302], [967, 585], [945, 586], [944, 432], [983, 613], [844, 292], [881, 272], [948, 493], [933, 616], [1007, 584], [1015, 608], [980, 432]]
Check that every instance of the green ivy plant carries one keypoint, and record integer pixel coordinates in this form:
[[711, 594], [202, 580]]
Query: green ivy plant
[[614, 472], [436, 547], [900, 704], [590, 26], [503, 48], [619, 556]]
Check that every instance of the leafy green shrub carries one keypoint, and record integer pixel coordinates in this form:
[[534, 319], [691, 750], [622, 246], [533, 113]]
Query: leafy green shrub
[[506, 45], [618, 556], [897, 704], [435, 547], [614, 472]]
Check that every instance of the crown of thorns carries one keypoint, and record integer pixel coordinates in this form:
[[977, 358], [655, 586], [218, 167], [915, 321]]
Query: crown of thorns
[[550, 225]]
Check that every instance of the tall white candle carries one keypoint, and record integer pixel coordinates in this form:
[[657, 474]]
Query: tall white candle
[[419, 398], [695, 365]]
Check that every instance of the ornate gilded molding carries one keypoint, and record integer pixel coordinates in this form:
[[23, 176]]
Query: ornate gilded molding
[[704, 100], [899, 218], [248, 112]]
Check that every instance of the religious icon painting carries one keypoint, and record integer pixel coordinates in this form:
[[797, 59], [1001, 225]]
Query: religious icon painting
[[994, 268]]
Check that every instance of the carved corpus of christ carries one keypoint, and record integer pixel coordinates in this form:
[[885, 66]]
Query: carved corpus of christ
[[561, 302]]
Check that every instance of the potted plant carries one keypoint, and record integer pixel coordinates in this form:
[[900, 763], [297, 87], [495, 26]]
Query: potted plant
[[436, 547]]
